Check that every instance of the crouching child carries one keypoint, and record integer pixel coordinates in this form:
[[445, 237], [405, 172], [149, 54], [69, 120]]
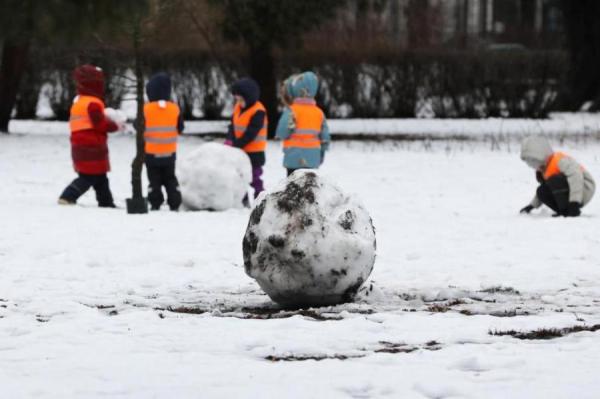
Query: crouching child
[[565, 186], [163, 124], [248, 129], [302, 125], [89, 149]]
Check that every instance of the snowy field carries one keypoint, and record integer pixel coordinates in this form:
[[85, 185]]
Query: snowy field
[[97, 303], [560, 125]]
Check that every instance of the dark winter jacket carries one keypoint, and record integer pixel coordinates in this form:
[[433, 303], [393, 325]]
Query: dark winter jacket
[[89, 149], [248, 89]]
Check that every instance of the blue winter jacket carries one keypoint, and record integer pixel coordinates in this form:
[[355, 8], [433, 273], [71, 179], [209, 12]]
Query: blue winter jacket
[[301, 86]]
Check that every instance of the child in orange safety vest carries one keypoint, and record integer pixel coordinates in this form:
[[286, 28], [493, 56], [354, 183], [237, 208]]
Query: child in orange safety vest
[[163, 124], [248, 128], [89, 127], [565, 186], [302, 125]]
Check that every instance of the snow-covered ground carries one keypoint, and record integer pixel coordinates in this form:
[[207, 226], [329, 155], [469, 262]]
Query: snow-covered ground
[[98, 303], [559, 126]]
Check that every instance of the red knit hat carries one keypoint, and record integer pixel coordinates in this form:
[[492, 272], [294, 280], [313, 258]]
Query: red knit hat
[[89, 80]]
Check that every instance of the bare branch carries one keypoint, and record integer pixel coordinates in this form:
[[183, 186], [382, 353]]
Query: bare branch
[[203, 30]]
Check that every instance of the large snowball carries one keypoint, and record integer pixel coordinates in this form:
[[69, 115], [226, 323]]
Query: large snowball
[[214, 177], [308, 243]]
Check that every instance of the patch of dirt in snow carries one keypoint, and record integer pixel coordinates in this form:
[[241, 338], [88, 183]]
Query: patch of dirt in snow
[[546, 333], [501, 290], [381, 347], [248, 306], [394, 347], [5, 304], [299, 358], [496, 301], [266, 313], [183, 309]]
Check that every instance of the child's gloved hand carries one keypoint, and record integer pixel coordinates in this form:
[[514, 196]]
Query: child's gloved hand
[[539, 176], [573, 210], [526, 209]]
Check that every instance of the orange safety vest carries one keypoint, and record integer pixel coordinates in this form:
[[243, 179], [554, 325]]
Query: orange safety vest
[[309, 121], [79, 118], [552, 168], [241, 120], [162, 118]]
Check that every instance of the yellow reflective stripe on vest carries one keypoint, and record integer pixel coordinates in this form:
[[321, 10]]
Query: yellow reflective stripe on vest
[[307, 131], [163, 155], [159, 140], [295, 143], [304, 138], [161, 129]]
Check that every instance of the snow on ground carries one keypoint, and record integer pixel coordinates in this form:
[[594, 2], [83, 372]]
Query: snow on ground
[[98, 303], [559, 125]]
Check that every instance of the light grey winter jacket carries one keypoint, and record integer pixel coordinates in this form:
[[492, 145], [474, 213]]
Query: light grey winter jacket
[[536, 152]]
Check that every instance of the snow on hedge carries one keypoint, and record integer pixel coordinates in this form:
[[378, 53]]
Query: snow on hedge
[[558, 125]]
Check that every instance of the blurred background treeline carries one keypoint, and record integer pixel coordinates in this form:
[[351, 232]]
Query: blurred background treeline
[[375, 58]]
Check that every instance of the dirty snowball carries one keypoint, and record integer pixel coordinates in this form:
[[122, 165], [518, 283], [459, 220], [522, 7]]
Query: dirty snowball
[[308, 243]]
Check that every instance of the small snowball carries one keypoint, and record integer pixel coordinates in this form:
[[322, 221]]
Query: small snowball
[[117, 116]]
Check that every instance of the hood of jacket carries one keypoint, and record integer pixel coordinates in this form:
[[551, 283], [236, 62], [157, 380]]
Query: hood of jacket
[[248, 89], [159, 87], [285, 90], [304, 85], [535, 151], [89, 80]]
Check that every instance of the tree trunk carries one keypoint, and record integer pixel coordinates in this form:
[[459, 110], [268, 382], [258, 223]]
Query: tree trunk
[[137, 203], [583, 34], [418, 29], [262, 69], [14, 61], [29, 93], [138, 162]]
